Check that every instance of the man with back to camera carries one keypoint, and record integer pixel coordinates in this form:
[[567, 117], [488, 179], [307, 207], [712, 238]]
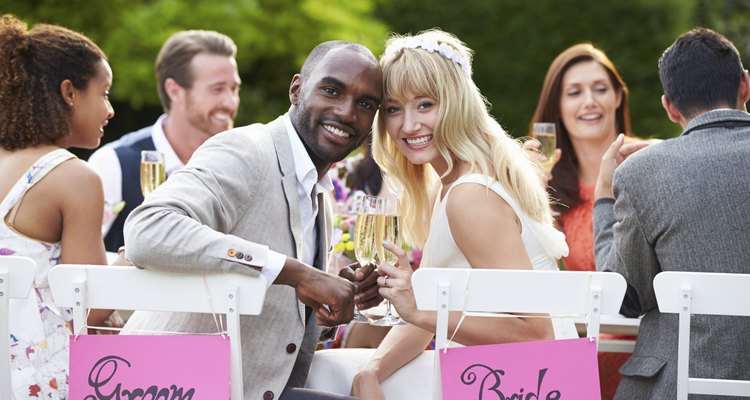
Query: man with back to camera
[[199, 91], [255, 200], [682, 205]]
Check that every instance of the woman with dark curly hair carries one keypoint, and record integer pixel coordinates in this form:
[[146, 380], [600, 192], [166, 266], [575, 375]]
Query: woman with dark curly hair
[[54, 85]]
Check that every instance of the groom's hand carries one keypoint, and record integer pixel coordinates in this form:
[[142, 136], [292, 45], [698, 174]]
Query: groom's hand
[[365, 279]]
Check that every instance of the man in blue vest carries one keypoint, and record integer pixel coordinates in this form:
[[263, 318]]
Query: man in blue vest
[[199, 91]]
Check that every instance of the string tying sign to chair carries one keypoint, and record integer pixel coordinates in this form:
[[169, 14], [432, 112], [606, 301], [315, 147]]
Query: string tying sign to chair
[[173, 366], [149, 367], [518, 370], [540, 370], [534, 370]]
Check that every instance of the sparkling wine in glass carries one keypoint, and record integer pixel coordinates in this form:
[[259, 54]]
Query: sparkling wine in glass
[[387, 227], [153, 171], [545, 133], [364, 238]]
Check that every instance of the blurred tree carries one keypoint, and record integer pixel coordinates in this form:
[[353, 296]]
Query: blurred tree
[[729, 17], [516, 40], [273, 37]]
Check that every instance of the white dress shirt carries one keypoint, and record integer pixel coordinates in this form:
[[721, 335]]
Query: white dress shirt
[[105, 162], [308, 188]]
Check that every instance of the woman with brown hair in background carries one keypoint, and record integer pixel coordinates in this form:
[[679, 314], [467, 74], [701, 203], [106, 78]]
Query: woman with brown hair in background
[[587, 100]]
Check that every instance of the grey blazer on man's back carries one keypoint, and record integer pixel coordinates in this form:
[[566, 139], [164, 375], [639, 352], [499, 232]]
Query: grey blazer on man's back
[[681, 205], [236, 198]]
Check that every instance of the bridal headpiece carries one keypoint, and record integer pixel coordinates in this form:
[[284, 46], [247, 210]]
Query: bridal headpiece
[[431, 45]]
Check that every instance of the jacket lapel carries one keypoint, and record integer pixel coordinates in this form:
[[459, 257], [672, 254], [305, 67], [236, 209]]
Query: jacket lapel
[[289, 180]]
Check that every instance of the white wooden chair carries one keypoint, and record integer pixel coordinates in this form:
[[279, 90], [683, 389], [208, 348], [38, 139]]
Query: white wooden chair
[[563, 293], [128, 288], [16, 279], [688, 293]]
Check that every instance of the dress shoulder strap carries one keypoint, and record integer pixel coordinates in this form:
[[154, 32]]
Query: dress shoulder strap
[[551, 240], [38, 170], [489, 182]]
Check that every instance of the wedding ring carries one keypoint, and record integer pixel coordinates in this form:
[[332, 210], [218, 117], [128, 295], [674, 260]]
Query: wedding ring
[[385, 282]]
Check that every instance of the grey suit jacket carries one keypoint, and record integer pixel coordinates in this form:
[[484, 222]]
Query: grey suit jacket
[[681, 205], [236, 195]]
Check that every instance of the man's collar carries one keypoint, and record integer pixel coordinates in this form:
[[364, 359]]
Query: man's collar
[[720, 114], [161, 143], [306, 172]]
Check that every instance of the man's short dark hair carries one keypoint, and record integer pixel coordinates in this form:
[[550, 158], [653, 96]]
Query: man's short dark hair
[[701, 71]]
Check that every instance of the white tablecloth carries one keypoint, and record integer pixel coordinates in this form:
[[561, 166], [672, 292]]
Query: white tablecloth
[[332, 370]]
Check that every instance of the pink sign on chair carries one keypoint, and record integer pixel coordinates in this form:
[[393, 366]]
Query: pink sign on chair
[[153, 367], [543, 370]]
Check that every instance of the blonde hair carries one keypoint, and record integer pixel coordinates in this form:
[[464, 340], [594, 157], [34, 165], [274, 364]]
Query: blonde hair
[[464, 130]]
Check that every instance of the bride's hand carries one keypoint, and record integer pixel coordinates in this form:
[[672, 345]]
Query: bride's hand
[[533, 150], [366, 386], [395, 285]]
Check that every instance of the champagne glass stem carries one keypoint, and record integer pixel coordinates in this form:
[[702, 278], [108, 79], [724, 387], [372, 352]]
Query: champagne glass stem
[[358, 316]]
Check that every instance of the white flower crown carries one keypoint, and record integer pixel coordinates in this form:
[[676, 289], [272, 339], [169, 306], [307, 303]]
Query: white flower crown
[[431, 45]]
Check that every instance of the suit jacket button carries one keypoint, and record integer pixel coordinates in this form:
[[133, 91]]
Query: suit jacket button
[[231, 252], [239, 255], [268, 395], [248, 257], [291, 347]]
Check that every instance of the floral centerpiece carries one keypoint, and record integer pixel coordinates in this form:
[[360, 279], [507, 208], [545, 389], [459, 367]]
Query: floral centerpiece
[[343, 235]]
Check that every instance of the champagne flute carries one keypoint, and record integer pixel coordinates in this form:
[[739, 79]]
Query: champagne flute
[[545, 133], [387, 228], [364, 238], [153, 171]]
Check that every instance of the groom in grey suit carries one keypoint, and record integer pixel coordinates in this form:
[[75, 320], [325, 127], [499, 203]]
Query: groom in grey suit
[[682, 205], [254, 200]]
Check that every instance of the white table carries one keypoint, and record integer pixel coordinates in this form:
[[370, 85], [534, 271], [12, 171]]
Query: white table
[[615, 324], [332, 370]]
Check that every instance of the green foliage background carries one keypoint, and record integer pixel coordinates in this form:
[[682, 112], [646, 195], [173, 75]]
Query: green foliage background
[[514, 41]]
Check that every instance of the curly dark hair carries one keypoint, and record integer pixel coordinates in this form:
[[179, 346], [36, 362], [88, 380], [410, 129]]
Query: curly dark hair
[[33, 65]]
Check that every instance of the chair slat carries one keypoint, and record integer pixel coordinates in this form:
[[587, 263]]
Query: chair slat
[[696, 293]]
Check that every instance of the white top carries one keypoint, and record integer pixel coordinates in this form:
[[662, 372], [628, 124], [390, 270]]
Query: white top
[[543, 243], [308, 188], [105, 162]]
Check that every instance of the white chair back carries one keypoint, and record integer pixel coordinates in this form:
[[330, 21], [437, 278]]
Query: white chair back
[[129, 288], [688, 293], [518, 291], [16, 279]]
